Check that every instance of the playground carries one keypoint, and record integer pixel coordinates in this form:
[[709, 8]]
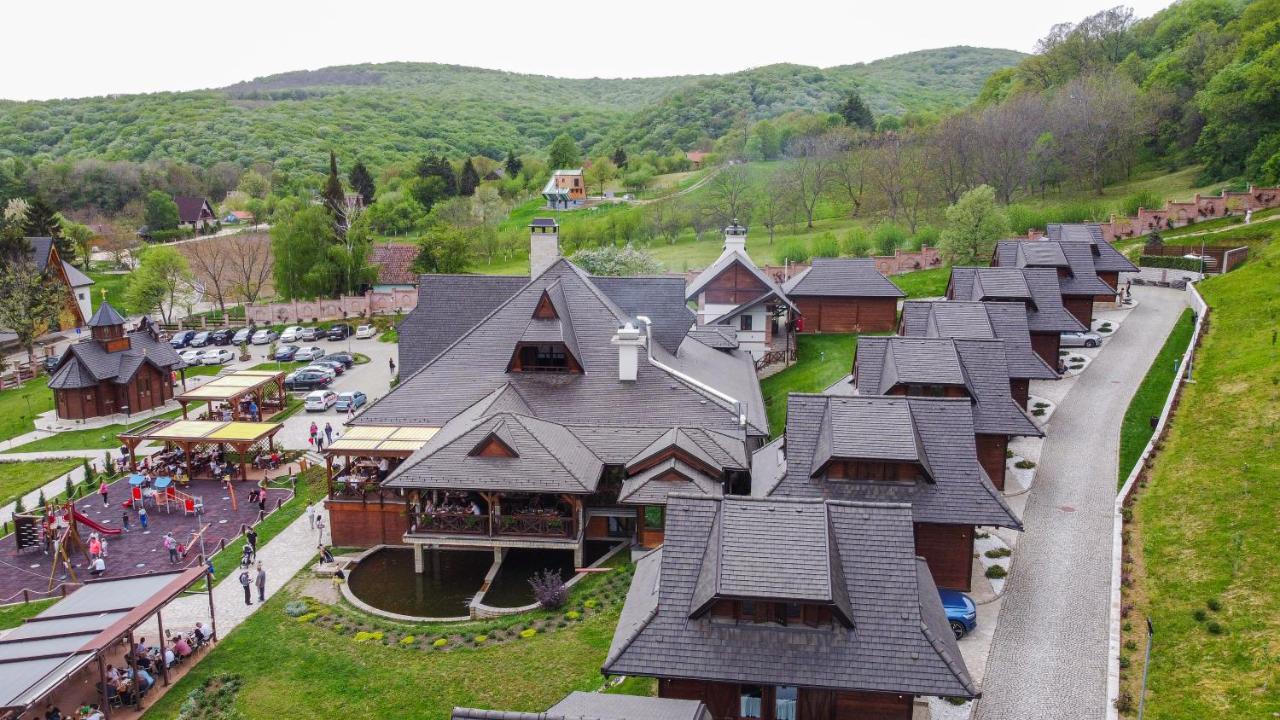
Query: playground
[[49, 550]]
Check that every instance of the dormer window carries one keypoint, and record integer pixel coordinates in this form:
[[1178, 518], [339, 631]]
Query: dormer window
[[874, 471], [778, 614], [543, 358], [926, 391]]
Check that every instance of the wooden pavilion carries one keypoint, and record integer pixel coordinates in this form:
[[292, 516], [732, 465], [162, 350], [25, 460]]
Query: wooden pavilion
[[236, 390], [194, 437], [360, 511]]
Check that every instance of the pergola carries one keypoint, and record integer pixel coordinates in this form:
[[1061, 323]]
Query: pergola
[[190, 434], [66, 646], [395, 443], [266, 387]]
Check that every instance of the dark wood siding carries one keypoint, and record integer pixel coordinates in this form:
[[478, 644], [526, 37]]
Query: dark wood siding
[[991, 450], [357, 524], [1020, 388], [734, 285], [1080, 307], [1112, 279], [948, 549], [847, 314], [1046, 346], [721, 700]]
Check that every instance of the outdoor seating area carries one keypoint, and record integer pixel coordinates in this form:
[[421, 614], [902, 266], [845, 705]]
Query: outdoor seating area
[[94, 653], [494, 514], [250, 395], [204, 449], [366, 455]]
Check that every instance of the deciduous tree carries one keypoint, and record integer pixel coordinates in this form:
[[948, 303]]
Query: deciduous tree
[[29, 303], [564, 153], [602, 170], [161, 278], [161, 212], [974, 224]]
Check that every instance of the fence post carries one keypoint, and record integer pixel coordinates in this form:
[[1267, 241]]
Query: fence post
[[26, 596]]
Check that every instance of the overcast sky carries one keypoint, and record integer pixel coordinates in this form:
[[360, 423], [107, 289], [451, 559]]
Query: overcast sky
[[75, 48]]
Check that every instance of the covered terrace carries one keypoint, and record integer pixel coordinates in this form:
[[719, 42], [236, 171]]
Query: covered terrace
[[200, 446], [362, 458], [60, 657], [236, 395]]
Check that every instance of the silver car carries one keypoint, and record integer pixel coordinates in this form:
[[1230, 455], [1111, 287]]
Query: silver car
[[1081, 339]]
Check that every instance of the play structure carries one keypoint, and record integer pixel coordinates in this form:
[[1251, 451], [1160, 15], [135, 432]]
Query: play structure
[[57, 532]]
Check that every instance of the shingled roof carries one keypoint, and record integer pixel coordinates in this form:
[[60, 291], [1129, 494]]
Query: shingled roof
[[720, 337], [896, 639], [1081, 278], [841, 277], [580, 705], [190, 208], [727, 259], [977, 365], [653, 485], [980, 321], [1105, 256], [958, 491], [395, 263], [86, 363], [1036, 288], [106, 316]]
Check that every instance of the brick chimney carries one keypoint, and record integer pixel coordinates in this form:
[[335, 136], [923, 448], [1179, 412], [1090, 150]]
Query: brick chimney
[[629, 341], [544, 245], [735, 237]]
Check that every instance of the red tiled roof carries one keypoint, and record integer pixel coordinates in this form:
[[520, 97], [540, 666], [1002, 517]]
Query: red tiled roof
[[696, 155], [395, 263]]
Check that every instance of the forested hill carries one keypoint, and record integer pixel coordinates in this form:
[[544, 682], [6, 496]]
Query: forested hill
[[386, 113]]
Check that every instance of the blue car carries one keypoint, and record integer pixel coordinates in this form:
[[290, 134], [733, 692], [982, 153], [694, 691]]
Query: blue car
[[285, 353], [962, 614], [346, 400]]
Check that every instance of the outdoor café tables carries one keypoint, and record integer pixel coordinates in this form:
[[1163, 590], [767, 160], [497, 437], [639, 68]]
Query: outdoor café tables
[[163, 482], [136, 479]]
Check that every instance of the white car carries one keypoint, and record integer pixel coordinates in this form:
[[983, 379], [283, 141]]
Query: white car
[[1081, 339], [290, 334], [365, 332], [321, 369], [308, 353], [264, 337], [191, 357], [320, 400], [217, 356]]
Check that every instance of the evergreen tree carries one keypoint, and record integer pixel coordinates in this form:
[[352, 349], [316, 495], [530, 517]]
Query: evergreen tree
[[362, 182], [564, 153], [856, 113], [620, 158], [437, 166], [335, 200], [43, 221], [514, 166], [469, 180]]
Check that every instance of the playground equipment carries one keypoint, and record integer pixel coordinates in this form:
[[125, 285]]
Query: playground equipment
[[61, 530]]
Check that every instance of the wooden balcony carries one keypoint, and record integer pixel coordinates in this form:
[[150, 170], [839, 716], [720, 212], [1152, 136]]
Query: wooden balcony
[[540, 526]]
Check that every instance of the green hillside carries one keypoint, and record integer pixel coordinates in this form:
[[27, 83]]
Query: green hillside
[[389, 112]]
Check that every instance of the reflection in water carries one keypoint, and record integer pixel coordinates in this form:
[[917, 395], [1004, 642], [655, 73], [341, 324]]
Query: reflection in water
[[386, 580], [511, 587]]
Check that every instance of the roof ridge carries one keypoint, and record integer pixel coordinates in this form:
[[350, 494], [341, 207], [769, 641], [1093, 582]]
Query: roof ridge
[[559, 461]]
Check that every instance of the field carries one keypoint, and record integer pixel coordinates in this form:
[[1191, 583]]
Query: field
[[19, 478], [1151, 394], [19, 407], [1205, 532], [824, 359]]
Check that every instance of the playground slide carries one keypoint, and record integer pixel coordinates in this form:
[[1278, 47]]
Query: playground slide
[[94, 526]]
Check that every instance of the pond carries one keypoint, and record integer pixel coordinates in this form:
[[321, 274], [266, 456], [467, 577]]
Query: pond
[[511, 586], [385, 579]]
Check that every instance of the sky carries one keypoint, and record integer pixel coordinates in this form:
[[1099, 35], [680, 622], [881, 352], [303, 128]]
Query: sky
[[84, 48]]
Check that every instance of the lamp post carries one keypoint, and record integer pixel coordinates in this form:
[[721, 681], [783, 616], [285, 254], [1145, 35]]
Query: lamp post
[[1146, 665]]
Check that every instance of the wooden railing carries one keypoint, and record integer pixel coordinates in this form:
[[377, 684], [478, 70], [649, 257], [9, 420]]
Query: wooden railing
[[452, 523], [465, 523], [537, 525]]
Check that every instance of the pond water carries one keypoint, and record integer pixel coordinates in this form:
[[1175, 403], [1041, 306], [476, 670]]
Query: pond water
[[511, 586], [385, 579]]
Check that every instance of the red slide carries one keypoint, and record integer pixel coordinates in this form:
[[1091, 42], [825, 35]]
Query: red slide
[[94, 526]]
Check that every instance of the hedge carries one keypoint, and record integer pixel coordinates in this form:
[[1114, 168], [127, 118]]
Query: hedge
[[1175, 262]]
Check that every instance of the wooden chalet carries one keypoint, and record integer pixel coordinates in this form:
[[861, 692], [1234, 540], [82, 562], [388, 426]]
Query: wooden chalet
[[844, 295], [789, 610], [1107, 261], [113, 371], [1035, 288], [1078, 279], [581, 705], [194, 212]]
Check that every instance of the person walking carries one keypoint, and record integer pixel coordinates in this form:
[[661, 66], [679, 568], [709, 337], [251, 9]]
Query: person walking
[[172, 546], [320, 526], [328, 433], [143, 520], [102, 490], [246, 582], [391, 365], [261, 582], [251, 536], [311, 516]]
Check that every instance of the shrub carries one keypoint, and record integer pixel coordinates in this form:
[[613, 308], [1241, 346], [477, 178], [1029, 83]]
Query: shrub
[[980, 535], [856, 242], [408, 640], [590, 603], [1214, 604], [526, 634], [549, 589], [957, 700], [1124, 702], [1008, 454], [1175, 262], [610, 260], [480, 639], [998, 552], [825, 246], [1145, 199], [1130, 644], [1124, 661], [1024, 464], [295, 608], [213, 700], [995, 572], [440, 642], [572, 615], [307, 617], [1041, 405], [888, 237], [794, 250], [925, 235], [1199, 614], [364, 636], [1214, 628], [1038, 412]]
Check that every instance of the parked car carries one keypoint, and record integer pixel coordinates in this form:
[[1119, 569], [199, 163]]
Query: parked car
[[290, 334], [217, 356], [285, 353], [365, 332], [200, 339], [265, 337], [309, 334], [962, 613], [182, 338], [355, 399], [243, 335], [322, 369], [311, 352], [222, 337], [1081, 339], [50, 363], [306, 380], [341, 331], [191, 356], [335, 365], [319, 400], [342, 357]]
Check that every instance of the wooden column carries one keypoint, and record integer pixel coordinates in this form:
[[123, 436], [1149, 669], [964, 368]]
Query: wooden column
[[102, 687], [164, 666]]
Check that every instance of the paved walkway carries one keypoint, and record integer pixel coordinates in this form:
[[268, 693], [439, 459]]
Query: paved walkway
[[1049, 654]]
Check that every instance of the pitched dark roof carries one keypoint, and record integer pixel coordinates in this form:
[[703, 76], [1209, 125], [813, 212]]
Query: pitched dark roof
[[475, 365], [190, 208], [716, 451], [1082, 232], [448, 306], [1036, 288], [959, 491], [580, 705], [653, 485], [106, 316], [979, 364], [842, 277], [558, 329], [1105, 256], [720, 337], [728, 259], [979, 320], [395, 263], [74, 276], [41, 250], [860, 557], [86, 363], [543, 222], [1081, 279], [658, 297]]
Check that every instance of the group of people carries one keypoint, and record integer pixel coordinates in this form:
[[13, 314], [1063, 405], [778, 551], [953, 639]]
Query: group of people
[[97, 554], [318, 438]]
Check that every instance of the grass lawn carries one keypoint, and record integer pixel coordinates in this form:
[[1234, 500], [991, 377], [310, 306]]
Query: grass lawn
[[1205, 530], [114, 284], [19, 478], [103, 437], [19, 407], [823, 360], [923, 283], [11, 616], [1149, 399]]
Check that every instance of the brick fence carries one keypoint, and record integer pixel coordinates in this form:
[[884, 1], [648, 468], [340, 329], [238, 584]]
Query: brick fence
[[1203, 207], [397, 300]]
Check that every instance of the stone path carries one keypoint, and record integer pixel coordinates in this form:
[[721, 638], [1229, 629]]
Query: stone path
[[1049, 653]]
